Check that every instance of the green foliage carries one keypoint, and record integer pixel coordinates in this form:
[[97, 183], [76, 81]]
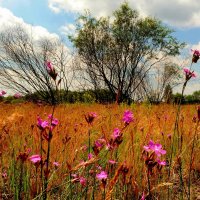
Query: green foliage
[[119, 53], [187, 99], [12, 100], [87, 96]]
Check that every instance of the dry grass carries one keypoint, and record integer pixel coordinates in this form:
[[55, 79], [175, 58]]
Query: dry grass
[[18, 131]]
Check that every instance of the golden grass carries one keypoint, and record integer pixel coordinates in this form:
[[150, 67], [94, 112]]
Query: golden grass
[[18, 125]]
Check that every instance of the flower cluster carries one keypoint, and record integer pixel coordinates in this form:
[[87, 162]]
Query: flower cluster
[[153, 153], [155, 147], [50, 123], [79, 179]]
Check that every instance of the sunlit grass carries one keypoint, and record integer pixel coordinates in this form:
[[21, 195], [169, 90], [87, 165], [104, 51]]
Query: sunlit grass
[[19, 132]]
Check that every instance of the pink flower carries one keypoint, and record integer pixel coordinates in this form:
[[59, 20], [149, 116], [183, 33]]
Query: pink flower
[[17, 95], [143, 196], [35, 158], [42, 124], [157, 148], [150, 146], [56, 164], [51, 70], [163, 163], [49, 66], [186, 70], [128, 117], [98, 144], [90, 155], [90, 117], [189, 74], [196, 52], [54, 122], [4, 174], [82, 181], [102, 175], [116, 133], [195, 56], [93, 114], [112, 162], [2, 93]]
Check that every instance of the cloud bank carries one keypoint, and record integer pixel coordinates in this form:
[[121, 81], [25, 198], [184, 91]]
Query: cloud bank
[[8, 19], [179, 13]]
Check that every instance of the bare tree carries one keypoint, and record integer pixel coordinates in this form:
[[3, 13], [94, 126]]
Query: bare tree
[[162, 77], [22, 64]]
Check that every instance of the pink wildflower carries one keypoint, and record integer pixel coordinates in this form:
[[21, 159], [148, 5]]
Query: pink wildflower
[[195, 56], [90, 117], [51, 70], [102, 175], [128, 117], [188, 74], [82, 181], [42, 124], [17, 95], [90, 155], [112, 162], [116, 133], [196, 52], [49, 66], [143, 196], [98, 144], [2, 93], [157, 148], [54, 120], [56, 164], [163, 163], [35, 158], [186, 70]]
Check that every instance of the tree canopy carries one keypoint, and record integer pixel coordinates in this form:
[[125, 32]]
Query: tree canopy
[[117, 53]]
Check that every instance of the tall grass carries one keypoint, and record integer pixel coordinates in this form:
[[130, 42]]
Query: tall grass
[[131, 173]]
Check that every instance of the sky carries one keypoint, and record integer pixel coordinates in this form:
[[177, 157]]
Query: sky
[[57, 18]]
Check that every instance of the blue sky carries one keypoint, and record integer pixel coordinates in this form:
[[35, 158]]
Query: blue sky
[[57, 17], [39, 13]]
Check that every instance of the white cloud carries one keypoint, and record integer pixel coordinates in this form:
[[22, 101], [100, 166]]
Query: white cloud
[[180, 13], [8, 19], [68, 29]]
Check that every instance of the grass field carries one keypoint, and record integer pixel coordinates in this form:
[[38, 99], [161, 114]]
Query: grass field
[[89, 158]]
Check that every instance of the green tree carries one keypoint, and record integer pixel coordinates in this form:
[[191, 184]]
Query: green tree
[[196, 95], [118, 54]]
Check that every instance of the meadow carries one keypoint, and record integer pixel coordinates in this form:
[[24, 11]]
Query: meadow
[[98, 151]]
